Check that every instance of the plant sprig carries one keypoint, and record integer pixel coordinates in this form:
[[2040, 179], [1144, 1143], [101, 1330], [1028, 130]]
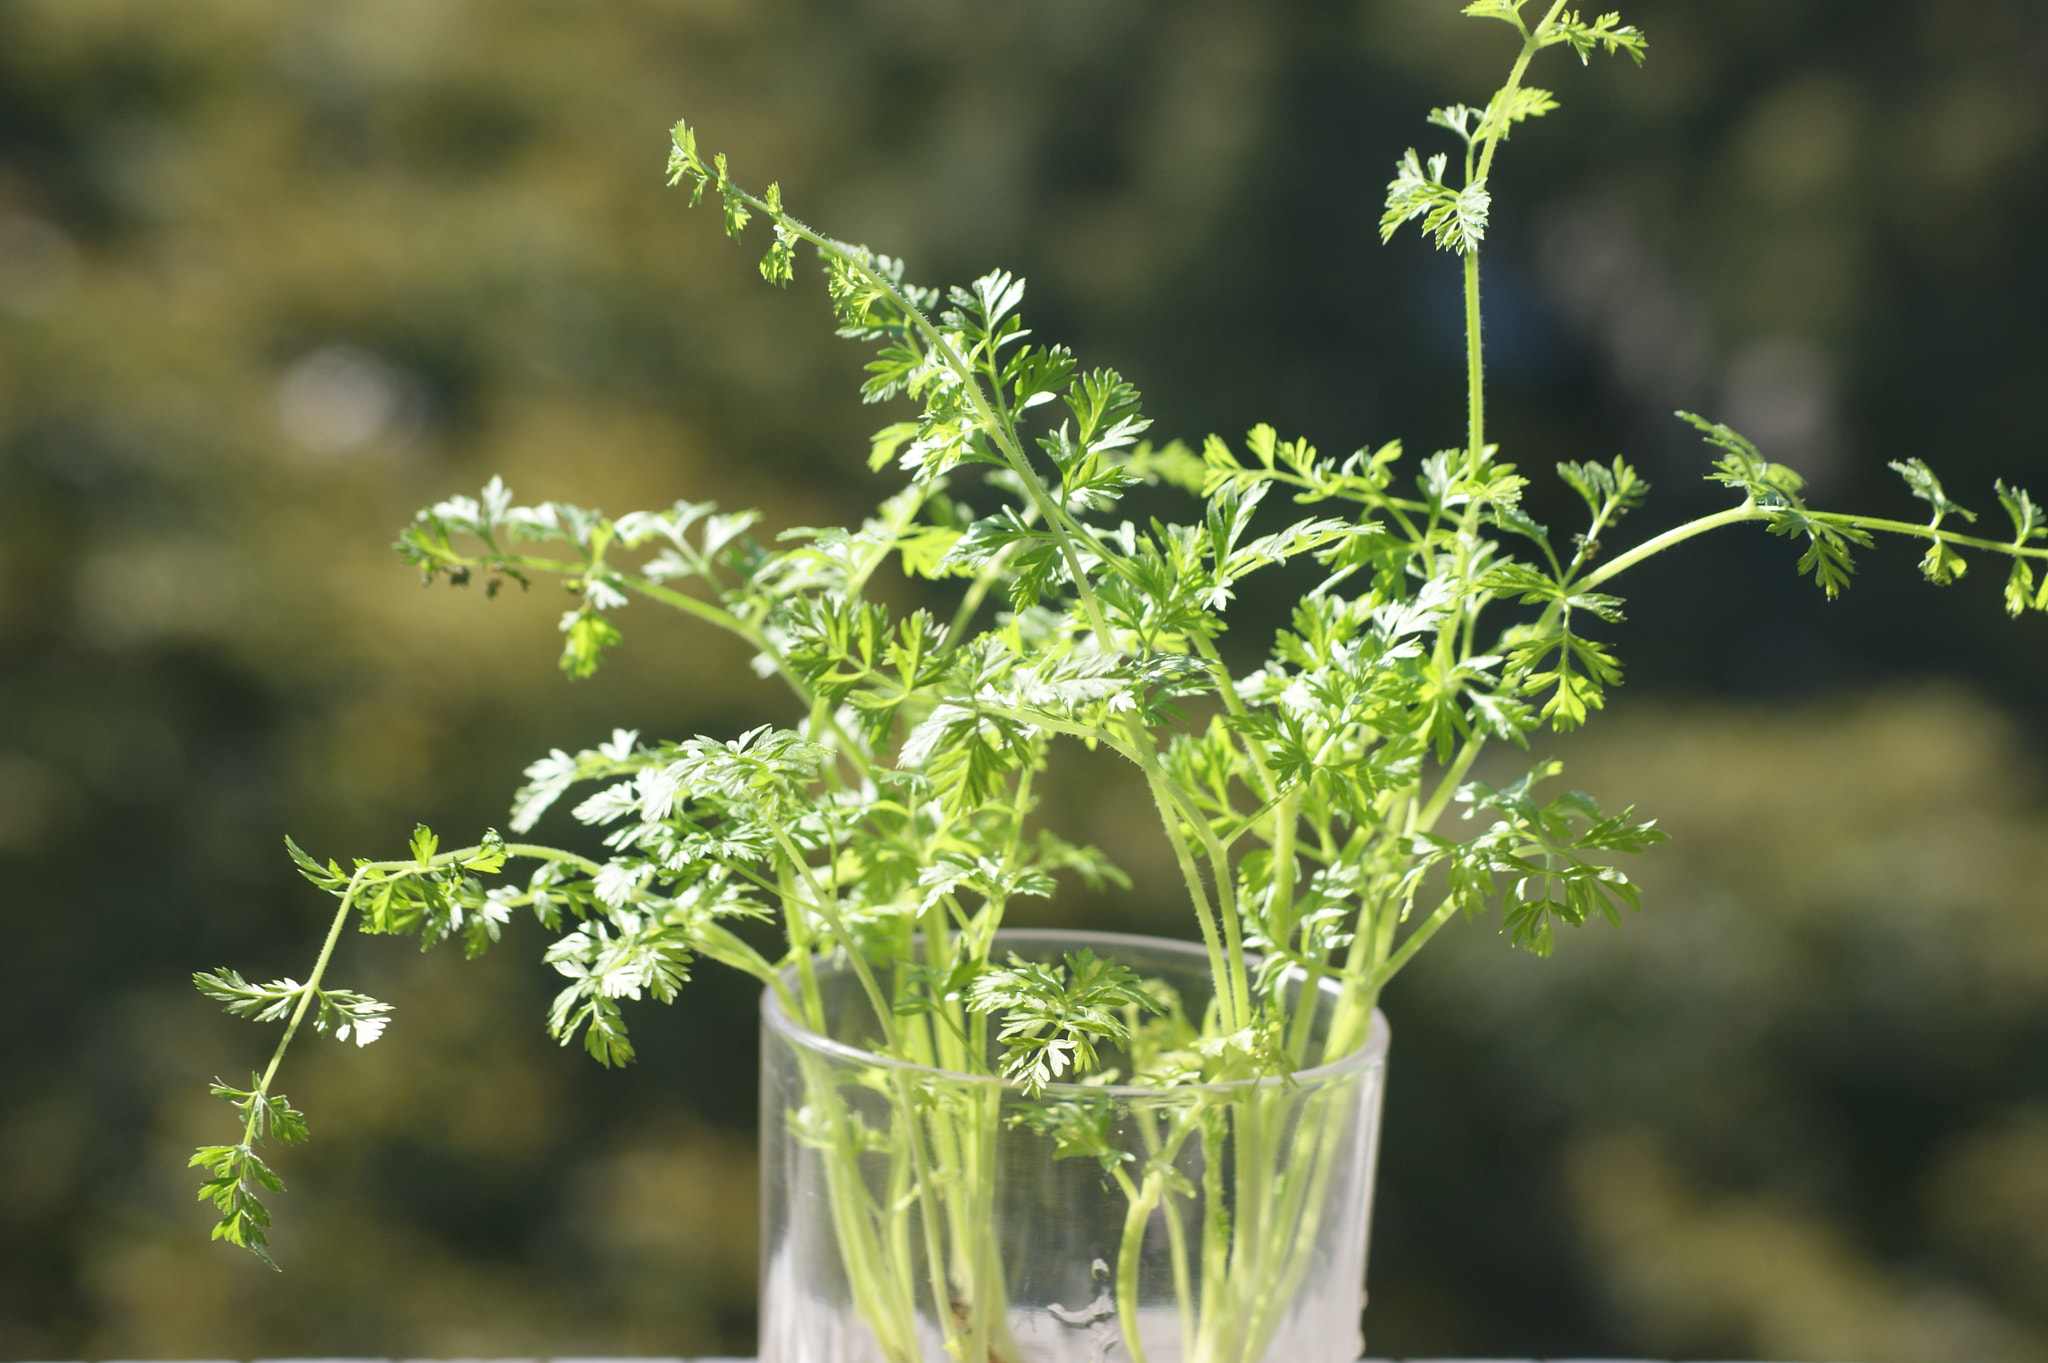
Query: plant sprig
[[886, 818]]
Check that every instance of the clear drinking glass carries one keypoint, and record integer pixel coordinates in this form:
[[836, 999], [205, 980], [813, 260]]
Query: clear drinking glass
[[918, 1215]]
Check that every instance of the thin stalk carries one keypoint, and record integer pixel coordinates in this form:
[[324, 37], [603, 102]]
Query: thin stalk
[[1130, 1250], [1678, 534], [1447, 785], [990, 1293], [1001, 431], [880, 1292], [1919, 530], [732, 624], [1226, 686], [730, 949], [1215, 1128], [978, 590], [1750, 511], [827, 906], [1252, 1214], [1220, 964], [1177, 1255], [1067, 533], [1234, 979], [1163, 1152], [1280, 902], [1302, 1024], [1475, 371], [1305, 1202], [1415, 941], [1521, 67], [896, 1224], [928, 1213], [258, 1108], [1475, 356]]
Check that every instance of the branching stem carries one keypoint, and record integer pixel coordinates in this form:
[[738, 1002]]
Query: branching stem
[[307, 994]]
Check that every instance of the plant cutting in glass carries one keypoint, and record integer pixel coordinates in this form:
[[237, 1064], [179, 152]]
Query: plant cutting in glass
[[886, 827]]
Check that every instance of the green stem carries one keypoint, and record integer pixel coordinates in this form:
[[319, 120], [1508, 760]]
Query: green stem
[[1226, 953], [1475, 371], [1447, 786], [1531, 45], [306, 997], [1748, 511], [999, 430], [827, 905], [1917, 530], [977, 590], [732, 624], [1475, 355], [1226, 686], [311, 989], [1090, 732], [709, 614], [1163, 797], [1130, 1252], [928, 1211], [1416, 940], [1280, 905], [1066, 533]]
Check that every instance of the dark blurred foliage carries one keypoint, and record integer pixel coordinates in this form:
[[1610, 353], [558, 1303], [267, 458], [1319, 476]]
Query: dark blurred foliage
[[275, 272]]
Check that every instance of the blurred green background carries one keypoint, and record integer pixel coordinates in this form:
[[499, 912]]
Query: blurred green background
[[273, 273]]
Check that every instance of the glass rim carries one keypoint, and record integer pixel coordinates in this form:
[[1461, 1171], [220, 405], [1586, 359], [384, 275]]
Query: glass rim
[[1372, 1051]]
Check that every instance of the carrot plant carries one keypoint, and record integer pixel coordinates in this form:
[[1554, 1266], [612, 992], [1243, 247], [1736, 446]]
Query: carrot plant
[[885, 818]]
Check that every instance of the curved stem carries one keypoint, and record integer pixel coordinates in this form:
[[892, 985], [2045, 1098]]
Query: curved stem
[[1649, 548], [733, 625], [1750, 511], [1141, 1198]]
